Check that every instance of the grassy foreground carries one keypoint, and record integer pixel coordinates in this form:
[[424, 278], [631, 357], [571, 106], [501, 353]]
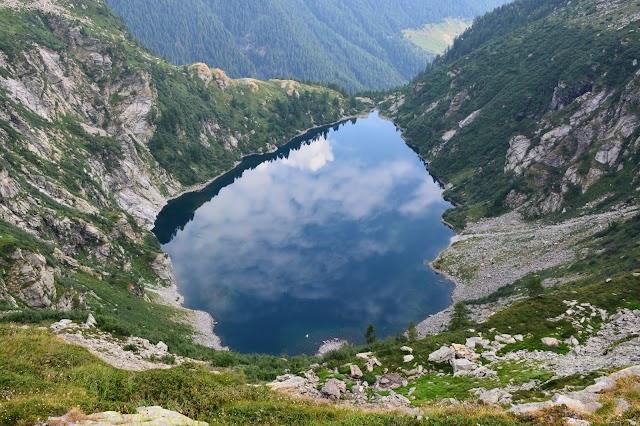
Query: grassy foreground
[[42, 376]]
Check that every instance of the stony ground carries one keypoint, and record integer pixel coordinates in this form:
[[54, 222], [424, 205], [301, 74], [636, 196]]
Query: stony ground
[[131, 354], [495, 252], [609, 343]]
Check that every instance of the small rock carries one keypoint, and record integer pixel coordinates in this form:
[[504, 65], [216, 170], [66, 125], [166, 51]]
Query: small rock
[[364, 355], [550, 341], [406, 349], [622, 406], [408, 358], [356, 373], [570, 421], [90, 322], [334, 388]]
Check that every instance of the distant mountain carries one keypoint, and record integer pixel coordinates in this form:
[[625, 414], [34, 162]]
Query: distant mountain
[[358, 45]]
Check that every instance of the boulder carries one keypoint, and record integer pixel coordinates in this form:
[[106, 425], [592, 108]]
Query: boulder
[[162, 347], [495, 397], [407, 358], [162, 267], [391, 381], [551, 341], [462, 366], [444, 354], [406, 349], [622, 406], [356, 373], [602, 384], [334, 388], [364, 355]]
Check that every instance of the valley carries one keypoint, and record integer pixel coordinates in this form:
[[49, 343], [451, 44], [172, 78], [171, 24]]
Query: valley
[[530, 121]]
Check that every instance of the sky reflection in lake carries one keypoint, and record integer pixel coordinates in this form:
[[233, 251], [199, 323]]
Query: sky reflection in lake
[[323, 242]]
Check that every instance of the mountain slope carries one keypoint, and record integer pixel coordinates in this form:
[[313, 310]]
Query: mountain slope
[[535, 107], [358, 47]]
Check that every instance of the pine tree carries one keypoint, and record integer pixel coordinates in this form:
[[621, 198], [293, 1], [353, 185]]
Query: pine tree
[[370, 334]]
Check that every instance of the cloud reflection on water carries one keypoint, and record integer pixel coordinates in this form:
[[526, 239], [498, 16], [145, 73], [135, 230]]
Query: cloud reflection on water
[[304, 228]]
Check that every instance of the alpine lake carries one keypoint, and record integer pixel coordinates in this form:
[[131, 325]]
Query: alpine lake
[[316, 241]]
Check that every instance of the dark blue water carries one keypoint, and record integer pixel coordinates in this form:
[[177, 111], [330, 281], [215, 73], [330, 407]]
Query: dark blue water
[[320, 239]]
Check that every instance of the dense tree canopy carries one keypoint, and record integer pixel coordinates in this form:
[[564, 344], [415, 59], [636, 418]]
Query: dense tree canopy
[[358, 45]]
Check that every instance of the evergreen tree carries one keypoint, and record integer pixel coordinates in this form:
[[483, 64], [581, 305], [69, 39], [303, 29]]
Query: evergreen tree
[[370, 334], [534, 287], [460, 318], [412, 333]]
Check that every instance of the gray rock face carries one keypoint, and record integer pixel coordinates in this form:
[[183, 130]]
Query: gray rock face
[[8, 187], [4, 294], [163, 267], [444, 354], [518, 147], [31, 280], [609, 153], [334, 388]]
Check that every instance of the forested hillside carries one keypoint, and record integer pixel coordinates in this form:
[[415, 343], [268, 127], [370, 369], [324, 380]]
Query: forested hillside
[[358, 47]]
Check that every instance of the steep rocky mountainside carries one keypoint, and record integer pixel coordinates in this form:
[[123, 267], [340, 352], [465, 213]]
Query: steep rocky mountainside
[[96, 134], [536, 108]]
